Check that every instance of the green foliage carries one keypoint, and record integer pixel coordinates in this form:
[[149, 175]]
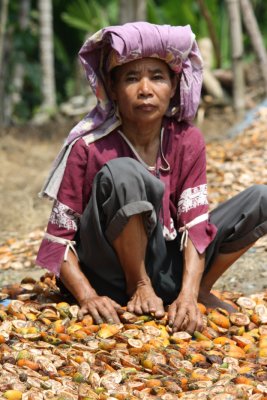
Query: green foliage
[[89, 15], [74, 20]]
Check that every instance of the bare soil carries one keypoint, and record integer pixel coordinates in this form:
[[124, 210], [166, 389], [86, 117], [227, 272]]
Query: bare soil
[[26, 155]]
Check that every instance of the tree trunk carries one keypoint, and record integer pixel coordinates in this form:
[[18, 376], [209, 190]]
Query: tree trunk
[[3, 24], [252, 27], [210, 83], [237, 54], [132, 10], [19, 68], [212, 32], [47, 55]]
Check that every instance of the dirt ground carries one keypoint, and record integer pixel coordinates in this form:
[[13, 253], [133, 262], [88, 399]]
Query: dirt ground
[[26, 154]]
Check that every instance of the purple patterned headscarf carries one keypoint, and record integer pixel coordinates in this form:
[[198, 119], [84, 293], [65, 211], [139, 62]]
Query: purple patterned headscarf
[[117, 45], [175, 45]]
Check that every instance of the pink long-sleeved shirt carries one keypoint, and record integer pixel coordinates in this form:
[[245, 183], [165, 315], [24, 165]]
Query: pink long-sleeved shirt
[[181, 165]]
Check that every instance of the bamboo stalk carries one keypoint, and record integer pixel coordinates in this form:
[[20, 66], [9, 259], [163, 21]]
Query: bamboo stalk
[[233, 8], [212, 32], [252, 27]]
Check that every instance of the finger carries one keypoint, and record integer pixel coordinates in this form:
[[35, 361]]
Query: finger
[[157, 310], [160, 312], [191, 328], [130, 306], [151, 307], [81, 313], [138, 309], [95, 315], [185, 323], [116, 306], [195, 322], [200, 324], [145, 307], [134, 306], [179, 320], [107, 311], [171, 314]]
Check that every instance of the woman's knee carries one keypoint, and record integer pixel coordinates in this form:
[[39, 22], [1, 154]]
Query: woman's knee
[[259, 192]]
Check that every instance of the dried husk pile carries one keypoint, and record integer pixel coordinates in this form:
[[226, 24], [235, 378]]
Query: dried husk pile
[[46, 353], [239, 162], [20, 253]]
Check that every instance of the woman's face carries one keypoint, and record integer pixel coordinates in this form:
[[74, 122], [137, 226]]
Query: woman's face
[[142, 90]]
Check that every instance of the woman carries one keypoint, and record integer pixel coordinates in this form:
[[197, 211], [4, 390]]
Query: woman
[[129, 186]]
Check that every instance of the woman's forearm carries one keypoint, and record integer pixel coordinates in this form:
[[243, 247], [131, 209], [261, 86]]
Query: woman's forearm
[[74, 280], [193, 269]]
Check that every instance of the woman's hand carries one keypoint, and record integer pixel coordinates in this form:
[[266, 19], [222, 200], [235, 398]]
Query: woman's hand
[[145, 301], [101, 308], [184, 314]]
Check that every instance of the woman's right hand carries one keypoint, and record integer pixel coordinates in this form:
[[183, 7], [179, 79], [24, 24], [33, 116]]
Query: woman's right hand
[[101, 308]]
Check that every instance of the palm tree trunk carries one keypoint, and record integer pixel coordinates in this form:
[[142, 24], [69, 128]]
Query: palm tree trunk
[[132, 10], [3, 24], [19, 68], [237, 55], [252, 27], [47, 54]]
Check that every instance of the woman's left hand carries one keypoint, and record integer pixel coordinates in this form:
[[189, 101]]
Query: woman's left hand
[[184, 314]]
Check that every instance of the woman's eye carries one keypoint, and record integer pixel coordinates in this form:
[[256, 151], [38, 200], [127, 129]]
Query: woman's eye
[[131, 79], [157, 77]]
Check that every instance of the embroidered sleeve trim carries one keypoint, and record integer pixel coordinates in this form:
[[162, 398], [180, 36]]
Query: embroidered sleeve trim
[[184, 229], [64, 217], [192, 198]]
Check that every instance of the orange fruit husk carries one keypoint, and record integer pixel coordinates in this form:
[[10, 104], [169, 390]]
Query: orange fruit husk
[[242, 341], [219, 319], [234, 351], [28, 363], [196, 358], [107, 330], [64, 337], [241, 379], [202, 308], [150, 383], [79, 335], [200, 336], [223, 340], [2, 339]]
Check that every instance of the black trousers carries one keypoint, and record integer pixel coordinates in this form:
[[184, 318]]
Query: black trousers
[[122, 188]]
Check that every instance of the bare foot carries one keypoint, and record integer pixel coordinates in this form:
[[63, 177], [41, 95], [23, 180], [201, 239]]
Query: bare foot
[[145, 301], [211, 301]]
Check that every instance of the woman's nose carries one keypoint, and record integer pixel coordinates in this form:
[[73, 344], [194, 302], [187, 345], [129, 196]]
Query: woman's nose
[[144, 88]]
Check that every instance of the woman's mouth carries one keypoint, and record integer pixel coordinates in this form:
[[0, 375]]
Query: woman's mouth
[[146, 107]]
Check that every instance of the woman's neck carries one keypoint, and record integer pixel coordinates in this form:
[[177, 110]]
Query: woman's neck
[[142, 136], [146, 142]]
